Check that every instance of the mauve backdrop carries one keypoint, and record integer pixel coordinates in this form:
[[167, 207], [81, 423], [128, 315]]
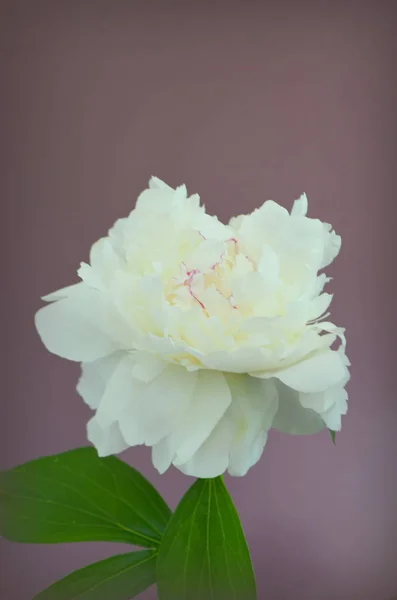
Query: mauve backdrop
[[242, 102]]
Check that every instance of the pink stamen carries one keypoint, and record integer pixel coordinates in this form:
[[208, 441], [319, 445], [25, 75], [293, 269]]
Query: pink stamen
[[213, 267], [189, 281]]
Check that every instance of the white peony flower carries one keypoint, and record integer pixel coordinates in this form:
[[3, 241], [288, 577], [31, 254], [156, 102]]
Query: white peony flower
[[196, 337]]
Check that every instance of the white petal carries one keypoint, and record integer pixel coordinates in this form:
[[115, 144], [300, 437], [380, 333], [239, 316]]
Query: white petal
[[155, 201], [237, 441], [158, 406], [147, 366], [332, 417], [90, 277], [122, 392], [74, 328], [205, 256], [333, 243], [163, 454], [94, 378], [210, 400], [164, 400], [106, 441], [319, 305], [314, 374], [157, 184], [104, 263], [243, 360], [211, 228], [291, 417], [300, 248], [299, 208], [254, 405], [265, 224], [76, 289], [268, 266], [212, 458]]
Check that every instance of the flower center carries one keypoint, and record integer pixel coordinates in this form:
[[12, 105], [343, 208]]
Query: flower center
[[211, 283]]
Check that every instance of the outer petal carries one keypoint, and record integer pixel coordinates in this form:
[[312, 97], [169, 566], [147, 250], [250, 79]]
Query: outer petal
[[94, 378], [299, 208], [292, 417], [78, 329], [331, 405], [74, 290], [157, 184], [122, 392], [164, 400], [237, 441], [104, 263], [316, 373], [212, 458], [332, 247], [210, 400], [253, 408], [336, 399], [264, 224], [150, 409], [106, 440]]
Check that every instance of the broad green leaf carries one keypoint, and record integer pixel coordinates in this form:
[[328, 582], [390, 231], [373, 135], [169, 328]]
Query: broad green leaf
[[77, 497], [333, 436], [204, 554], [118, 578]]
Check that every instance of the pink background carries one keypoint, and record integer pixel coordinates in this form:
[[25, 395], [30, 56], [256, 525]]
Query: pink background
[[242, 102]]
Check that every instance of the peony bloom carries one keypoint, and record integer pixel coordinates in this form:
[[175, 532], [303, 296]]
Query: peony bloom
[[196, 337]]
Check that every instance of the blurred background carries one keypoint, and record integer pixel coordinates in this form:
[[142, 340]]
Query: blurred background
[[242, 101]]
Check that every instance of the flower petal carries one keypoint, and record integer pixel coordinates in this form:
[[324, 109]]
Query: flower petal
[[107, 440], [76, 289], [292, 417], [212, 458], [337, 398], [299, 208], [122, 392], [243, 360], [157, 184], [164, 400], [314, 374], [210, 400], [333, 243], [94, 378], [78, 329], [254, 405], [151, 414]]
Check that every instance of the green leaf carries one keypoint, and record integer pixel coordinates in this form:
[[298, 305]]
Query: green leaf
[[333, 436], [78, 497], [204, 554], [118, 578]]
